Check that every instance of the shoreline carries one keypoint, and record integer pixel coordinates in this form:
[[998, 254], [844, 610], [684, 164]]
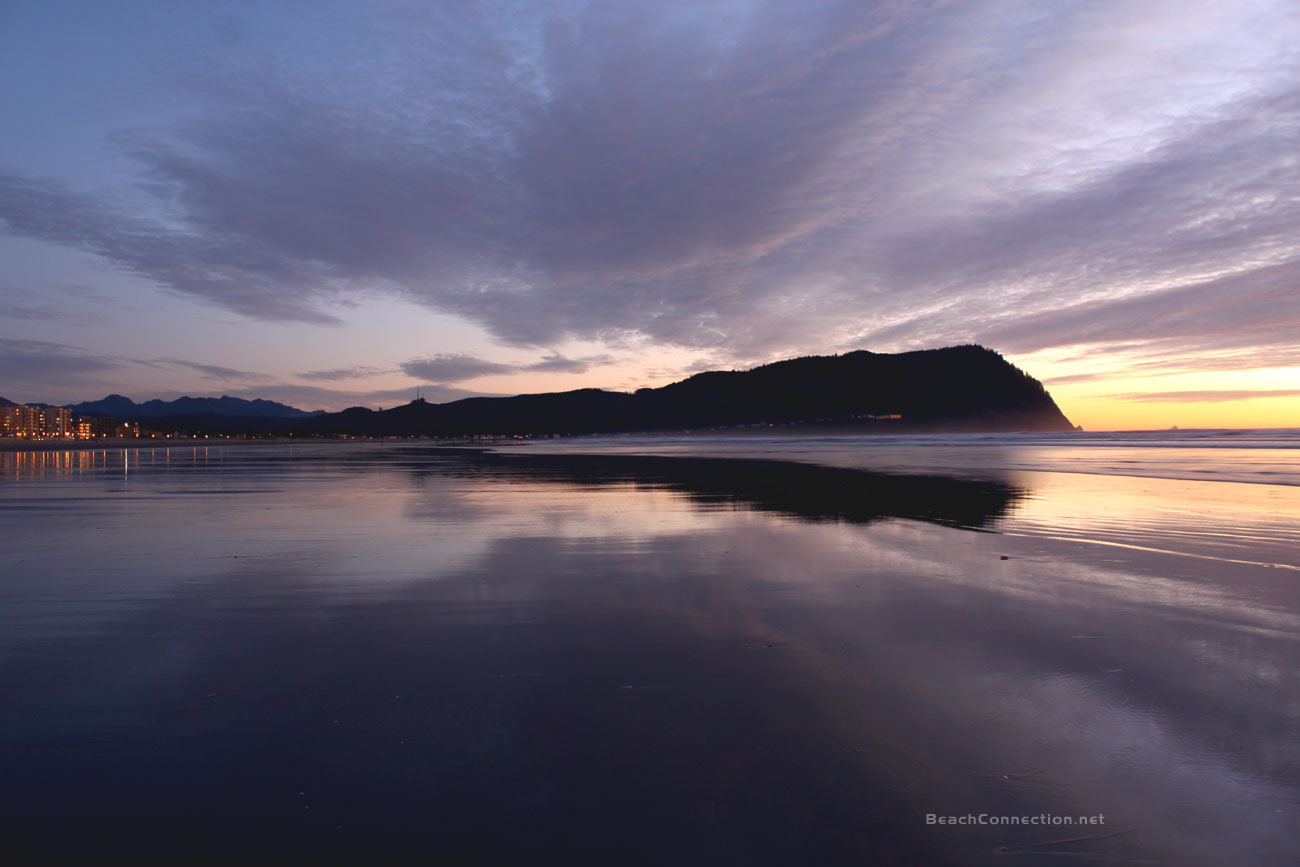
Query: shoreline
[[14, 445], [17, 445]]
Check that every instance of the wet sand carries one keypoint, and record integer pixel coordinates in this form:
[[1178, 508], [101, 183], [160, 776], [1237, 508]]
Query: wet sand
[[447, 655], [12, 444]]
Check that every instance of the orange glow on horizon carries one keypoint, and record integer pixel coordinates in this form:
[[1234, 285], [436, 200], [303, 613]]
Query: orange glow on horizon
[[1102, 413], [1127, 393]]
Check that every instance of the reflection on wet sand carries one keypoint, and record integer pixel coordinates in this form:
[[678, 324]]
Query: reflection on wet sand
[[807, 491], [468, 658]]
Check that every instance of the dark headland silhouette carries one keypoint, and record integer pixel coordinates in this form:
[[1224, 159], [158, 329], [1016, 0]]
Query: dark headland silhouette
[[958, 389]]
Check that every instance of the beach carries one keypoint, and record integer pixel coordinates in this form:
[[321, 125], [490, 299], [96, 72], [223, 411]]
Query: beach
[[638, 651], [13, 444]]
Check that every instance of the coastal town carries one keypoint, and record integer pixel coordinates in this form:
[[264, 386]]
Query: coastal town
[[58, 423]]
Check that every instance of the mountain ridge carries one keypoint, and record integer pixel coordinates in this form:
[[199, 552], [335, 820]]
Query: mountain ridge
[[119, 406], [965, 388], [957, 388]]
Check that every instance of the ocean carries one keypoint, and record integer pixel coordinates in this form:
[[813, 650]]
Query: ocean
[[1068, 648]]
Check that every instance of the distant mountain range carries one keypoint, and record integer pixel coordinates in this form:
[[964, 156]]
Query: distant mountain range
[[193, 414], [960, 388], [124, 408]]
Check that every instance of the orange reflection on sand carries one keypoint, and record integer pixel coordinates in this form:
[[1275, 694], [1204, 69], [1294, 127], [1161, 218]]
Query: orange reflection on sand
[[1230, 521]]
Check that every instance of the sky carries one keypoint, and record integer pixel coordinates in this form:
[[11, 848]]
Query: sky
[[330, 203]]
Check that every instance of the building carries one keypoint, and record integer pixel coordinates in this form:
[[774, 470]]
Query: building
[[103, 428], [55, 422], [36, 422], [17, 421]]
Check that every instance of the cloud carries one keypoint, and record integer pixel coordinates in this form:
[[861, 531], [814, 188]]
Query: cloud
[[237, 272], [1072, 378], [556, 363], [28, 365], [1222, 396], [210, 371], [356, 371], [58, 373], [461, 366], [66, 304], [19, 304], [452, 367], [749, 179], [1255, 312], [34, 370]]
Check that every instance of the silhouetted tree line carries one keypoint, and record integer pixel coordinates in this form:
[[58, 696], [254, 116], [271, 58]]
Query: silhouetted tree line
[[959, 388]]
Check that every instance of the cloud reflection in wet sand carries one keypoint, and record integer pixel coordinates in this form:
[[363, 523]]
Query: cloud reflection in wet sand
[[481, 658]]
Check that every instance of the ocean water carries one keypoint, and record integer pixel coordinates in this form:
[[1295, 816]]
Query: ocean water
[[653, 650], [1270, 456], [1140, 491]]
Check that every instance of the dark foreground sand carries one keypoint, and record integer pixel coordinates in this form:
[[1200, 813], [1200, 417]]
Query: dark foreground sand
[[438, 656]]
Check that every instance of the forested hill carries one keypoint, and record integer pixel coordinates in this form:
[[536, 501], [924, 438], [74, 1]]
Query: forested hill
[[959, 388]]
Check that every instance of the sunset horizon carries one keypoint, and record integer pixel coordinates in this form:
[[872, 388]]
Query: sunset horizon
[[1187, 408]]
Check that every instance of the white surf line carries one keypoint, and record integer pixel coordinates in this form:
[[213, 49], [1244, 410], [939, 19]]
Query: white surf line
[[1088, 541]]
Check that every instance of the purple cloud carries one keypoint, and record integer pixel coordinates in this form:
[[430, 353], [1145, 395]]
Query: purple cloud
[[38, 363], [1211, 396], [752, 180], [452, 367], [356, 371]]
